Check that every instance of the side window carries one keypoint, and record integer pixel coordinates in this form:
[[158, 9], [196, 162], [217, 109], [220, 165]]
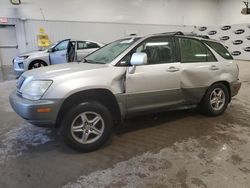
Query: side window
[[62, 46], [159, 50], [193, 50], [81, 45], [220, 49], [92, 45]]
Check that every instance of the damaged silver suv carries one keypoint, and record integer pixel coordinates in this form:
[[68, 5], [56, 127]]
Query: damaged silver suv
[[127, 77]]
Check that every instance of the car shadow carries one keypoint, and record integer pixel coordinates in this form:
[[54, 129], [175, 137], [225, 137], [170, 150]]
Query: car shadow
[[129, 125], [153, 120]]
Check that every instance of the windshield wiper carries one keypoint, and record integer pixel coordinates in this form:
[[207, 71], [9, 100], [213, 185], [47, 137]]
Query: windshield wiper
[[84, 60]]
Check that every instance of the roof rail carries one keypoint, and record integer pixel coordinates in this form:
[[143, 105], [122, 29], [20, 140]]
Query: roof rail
[[178, 33], [174, 33], [186, 34], [196, 35]]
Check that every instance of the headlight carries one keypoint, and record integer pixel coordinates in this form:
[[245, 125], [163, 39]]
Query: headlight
[[21, 58], [35, 89]]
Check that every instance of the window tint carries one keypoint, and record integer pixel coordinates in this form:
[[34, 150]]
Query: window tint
[[81, 45], [92, 45], [62, 46], [193, 50], [159, 50], [86, 45], [220, 49]]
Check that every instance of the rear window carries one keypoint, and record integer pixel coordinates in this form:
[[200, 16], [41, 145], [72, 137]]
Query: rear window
[[220, 49]]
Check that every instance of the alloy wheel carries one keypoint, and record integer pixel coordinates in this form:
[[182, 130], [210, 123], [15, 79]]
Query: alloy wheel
[[87, 127], [217, 99], [37, 65]]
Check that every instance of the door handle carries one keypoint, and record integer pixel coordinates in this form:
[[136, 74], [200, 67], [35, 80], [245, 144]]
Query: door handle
[[63, 55], [172, 69], [213, 67]]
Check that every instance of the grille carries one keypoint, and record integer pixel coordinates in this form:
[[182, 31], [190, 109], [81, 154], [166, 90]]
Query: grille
[[20, 82]]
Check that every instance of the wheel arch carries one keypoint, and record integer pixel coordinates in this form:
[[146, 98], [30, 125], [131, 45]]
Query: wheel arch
[[37, 60], [104, 96], [224, 82]]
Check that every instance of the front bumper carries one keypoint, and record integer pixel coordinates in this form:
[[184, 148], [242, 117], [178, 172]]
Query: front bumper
[[27, 109], [18, 67], [235, 87]]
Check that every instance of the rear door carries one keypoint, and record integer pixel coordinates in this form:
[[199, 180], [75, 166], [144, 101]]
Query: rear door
[[156, 84], [199, 68], [84, 48], [59, 53]]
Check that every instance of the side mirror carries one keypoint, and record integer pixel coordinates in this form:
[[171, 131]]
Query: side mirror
[[139, 58], [51, 50]]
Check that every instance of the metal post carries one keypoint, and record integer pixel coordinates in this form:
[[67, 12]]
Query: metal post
[[1, 62]]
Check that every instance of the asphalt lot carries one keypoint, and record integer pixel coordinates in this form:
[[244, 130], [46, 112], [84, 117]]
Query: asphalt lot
[[171, 149]]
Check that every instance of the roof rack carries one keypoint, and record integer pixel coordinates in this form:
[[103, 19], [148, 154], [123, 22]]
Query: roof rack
[[187, 34], [178, 33], [196, 35], [174, 33]]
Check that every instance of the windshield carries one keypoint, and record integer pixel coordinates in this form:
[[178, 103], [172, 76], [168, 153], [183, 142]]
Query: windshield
[[109, 52]]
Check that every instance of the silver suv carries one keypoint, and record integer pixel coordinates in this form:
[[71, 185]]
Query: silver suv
[[63, 51], [124, 78]]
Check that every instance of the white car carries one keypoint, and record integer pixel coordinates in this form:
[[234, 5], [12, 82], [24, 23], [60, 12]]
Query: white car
[[63, 51]]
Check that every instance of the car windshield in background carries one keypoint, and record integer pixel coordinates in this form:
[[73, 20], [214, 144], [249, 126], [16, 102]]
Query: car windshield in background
[[220, 49], [109, 52], [51, 45]]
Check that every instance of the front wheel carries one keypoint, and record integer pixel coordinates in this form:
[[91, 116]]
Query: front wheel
[[215, 100], [87, 126], [37, 64]]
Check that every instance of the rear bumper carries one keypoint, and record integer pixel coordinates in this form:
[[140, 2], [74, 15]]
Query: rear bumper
[[235, 87], [27, 109]]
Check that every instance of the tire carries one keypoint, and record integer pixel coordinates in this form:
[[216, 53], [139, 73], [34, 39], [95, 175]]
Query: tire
[[215, 101], [37, 64], [79, 121]]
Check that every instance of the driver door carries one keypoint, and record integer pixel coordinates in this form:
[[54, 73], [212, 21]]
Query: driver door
[[156, 84], [59, 53]]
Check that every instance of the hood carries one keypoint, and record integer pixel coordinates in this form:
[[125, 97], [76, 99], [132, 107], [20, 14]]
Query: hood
[[64, 70], [32, 53]]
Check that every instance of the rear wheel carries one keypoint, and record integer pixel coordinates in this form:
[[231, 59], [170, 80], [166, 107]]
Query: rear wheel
[[37, 64], [215, 100], [87, 126]]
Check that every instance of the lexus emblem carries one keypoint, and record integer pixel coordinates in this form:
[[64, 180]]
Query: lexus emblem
[[212, 32], [226, 27], [237, 42], [202, 29], [224, 38], [236, 53], [239, 31], [247, 49]]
